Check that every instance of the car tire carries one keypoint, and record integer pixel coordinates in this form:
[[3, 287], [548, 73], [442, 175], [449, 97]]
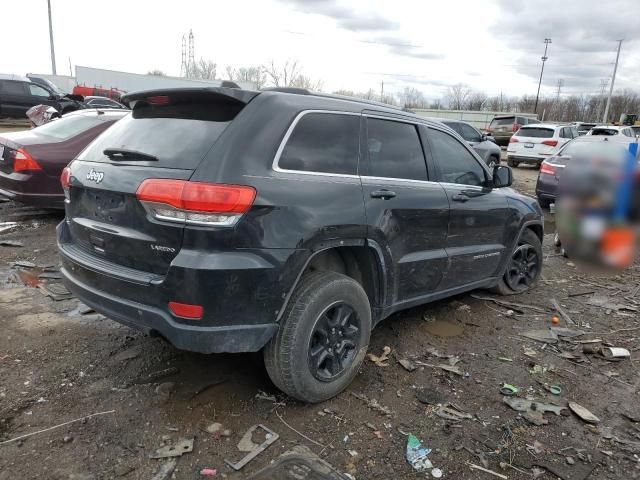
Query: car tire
[[512, 163], [327, 312], [528, 251]]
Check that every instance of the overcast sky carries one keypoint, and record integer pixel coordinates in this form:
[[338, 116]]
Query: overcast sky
[[493, 46]]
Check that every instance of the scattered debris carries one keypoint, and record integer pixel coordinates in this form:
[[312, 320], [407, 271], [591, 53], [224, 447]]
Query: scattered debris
[[408, 365], [373, 404], [473, 466], [451, 412], [6, 227], [55, 291], [11, 243], [509, 390], [270, 438], [429, 396], [296, 431], [382, 360], [265, 396], [81, 419], [165, 388], [583, 413], [436, 473], [84, 309], [299, 462], [416, 454], [182, 446], [544, 336], [608, 303], [556, 305], [208, 472], [505, 359], [24, 264], [50, 276], [615, 352], [448, 368], [533, 411], [166, 470], [128, 354], [517, 307], [152, 377]]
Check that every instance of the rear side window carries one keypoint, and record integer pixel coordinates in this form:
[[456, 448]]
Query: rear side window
[[13, 88], [536, 132], [38, 91], [67, 127], [323, 142], [565, 132], [179, 135], [457, 164], [394, 150], [470, 134]]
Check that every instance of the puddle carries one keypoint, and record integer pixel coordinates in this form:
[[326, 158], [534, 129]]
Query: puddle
[[442, 328]]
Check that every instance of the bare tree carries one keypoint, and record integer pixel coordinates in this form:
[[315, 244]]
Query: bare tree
[[255, 75], [413, 98], [205, 69], [458, 96], [282, 75], [157, 73], [476, 101], [304, 81]]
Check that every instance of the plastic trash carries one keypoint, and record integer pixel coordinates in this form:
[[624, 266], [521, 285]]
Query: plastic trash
[[417, 454]]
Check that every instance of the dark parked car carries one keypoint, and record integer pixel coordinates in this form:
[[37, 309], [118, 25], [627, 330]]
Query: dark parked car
[[551, 169], [502, 127], [484, 145], [31, 161], [228, 220], [19, 94]]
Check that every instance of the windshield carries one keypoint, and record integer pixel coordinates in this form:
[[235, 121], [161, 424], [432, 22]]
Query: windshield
[[68, 127], [535, 132]]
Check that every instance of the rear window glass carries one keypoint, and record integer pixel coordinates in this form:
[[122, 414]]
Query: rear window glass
[[67, 127], [323, 142], [604, 131], [535, 132], [503, 121], [179, 135]]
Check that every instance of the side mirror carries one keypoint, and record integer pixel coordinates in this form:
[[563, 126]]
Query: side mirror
[[502, 176]]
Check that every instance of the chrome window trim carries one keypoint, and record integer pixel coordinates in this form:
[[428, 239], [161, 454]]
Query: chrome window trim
[[288, 133], [404, 180]]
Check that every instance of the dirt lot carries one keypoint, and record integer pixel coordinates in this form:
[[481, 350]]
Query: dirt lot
[[58, 364]]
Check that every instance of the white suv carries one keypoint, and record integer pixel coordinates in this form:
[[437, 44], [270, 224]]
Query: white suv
[[609, 130], [534, 143]]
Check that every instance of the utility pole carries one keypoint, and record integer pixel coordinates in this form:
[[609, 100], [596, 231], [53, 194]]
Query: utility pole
[[382, 91], [53, 53], [70, 70], [605, 117], [603, 86], [547, 41]]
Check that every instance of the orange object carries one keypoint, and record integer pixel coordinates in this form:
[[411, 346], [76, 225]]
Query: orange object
[[617, 246], [555, 320]]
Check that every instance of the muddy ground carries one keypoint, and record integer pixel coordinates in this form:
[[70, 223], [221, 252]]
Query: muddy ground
[[57, 365]]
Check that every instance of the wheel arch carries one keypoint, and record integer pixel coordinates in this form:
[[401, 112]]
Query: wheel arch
[[361, 262]]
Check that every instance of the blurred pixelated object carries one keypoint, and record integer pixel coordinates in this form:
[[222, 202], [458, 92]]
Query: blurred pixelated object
[[41, 114], [597, 202]]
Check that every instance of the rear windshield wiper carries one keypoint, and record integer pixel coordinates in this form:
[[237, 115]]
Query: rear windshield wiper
[[121, 154]]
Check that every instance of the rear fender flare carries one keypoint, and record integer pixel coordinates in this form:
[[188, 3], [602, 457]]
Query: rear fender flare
[[336, 243]]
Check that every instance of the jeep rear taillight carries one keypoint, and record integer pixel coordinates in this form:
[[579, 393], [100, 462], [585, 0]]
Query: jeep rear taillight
[[23, 162], [195, 202]]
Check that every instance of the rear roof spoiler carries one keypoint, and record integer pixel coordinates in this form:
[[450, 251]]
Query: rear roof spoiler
[[233, 95]]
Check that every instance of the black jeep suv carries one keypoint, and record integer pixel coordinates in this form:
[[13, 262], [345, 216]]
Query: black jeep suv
[[233, 221]]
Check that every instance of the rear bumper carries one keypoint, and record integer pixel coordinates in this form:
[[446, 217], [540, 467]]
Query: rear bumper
[[32, 189], [526, 159], [228, 338], [241, 293]]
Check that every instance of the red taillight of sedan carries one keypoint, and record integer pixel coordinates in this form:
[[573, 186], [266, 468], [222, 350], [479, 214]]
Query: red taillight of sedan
[[65, 178], [513, 140], [23, 162], [547, 168], [550, 143]]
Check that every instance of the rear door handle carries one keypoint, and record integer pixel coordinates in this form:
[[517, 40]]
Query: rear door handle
[[459, 198], [385, 194]]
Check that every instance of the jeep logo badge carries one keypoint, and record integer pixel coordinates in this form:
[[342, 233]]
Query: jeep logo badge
[[94, 176]]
